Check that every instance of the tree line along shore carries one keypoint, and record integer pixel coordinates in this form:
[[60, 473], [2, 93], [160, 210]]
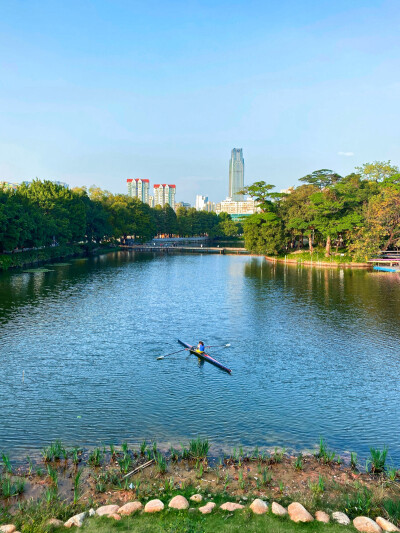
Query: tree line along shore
[[52, 221], [68, 485], [356, 216], [348, 219]]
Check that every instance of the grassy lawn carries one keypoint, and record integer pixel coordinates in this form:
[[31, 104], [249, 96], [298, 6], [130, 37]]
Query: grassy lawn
[[184, 522]]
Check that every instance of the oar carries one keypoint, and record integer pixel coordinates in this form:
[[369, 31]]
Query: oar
[[166, 355]]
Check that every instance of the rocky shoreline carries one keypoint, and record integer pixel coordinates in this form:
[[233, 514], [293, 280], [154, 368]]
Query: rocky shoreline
[[69, 487]]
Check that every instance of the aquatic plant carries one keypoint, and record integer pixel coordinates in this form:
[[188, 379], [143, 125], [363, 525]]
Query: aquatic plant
[[200, 470], [54, 452], [392, 508], [112, 450], [198, 448], [324, 455], [353, 460], [377, 460], [96, 457], [298, 464], [277, 456], [76, 455], [9, 488], [30, 465], [143, 448], [161, 463], [125, 448], [77, 479], [53, 475], [174, 454], [51, 494], [392, 473], [169, 484], [6, 463], [124, 463], [266, 476], [256, 453]]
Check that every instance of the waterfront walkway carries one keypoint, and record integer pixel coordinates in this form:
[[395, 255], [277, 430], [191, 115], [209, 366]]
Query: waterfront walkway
[[168, 248]]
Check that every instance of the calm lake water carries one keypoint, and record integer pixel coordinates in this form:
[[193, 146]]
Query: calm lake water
[[313, 352]]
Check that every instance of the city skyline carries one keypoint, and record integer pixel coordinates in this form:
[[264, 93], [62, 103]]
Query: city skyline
[[236, 175], [151, 87]]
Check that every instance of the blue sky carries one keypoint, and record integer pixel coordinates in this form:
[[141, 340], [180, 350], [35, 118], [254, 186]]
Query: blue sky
[[96, 92]]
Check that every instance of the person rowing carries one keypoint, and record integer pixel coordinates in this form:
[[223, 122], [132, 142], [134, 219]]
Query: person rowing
[[200, 347]]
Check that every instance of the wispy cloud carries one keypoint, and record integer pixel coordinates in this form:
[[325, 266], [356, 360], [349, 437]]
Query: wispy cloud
[[346, 154]]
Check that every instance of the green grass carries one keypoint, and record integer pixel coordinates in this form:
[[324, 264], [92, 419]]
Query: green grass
[[184, 522]]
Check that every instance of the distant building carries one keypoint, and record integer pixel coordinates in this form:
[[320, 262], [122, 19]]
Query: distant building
[[182, 204], [210, 207], [289, 190], [139, 188], [61, 183], [236, 175], [201, 202], [237, 210], [151, 201], [164, 194], [8, 186]]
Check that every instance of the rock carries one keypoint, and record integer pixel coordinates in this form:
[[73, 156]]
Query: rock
[[116, 516], [106, 510], [298, 513], [367, 525], [76, 520], [153, 506], [92, 512], [179, 502], [231, 506], [277, 509], [207, 508], [196, 498], [386, 525], [130, 508], [341, 518], [54, 522], [259, 507], [192, 510], [320, 516], [8, 528]]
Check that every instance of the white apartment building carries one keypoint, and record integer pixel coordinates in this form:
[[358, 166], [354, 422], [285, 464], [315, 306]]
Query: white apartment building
[[139, 188], [164, 194], [247, 207], [201, 202]]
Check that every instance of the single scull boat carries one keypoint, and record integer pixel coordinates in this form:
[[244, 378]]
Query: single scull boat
[[204, 356]]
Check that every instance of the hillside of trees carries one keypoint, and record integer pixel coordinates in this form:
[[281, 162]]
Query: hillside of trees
[[358, 213], [42, 213]]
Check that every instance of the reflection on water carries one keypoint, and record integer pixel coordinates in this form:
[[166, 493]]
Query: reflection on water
[[314, 352]]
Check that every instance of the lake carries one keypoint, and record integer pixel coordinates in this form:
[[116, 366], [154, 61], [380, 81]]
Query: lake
[[313, 353]]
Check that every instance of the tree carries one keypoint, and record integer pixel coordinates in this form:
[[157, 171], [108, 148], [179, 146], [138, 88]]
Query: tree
[[263, 233], [378, 170], [321, 178], [261, 193]]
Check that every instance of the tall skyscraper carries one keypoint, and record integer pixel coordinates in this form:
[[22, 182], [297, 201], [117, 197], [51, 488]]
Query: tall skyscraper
[[236, 175], [164, 194], [138, 188]]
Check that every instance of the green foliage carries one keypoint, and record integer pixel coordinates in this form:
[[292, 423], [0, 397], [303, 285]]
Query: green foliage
[[161, 463], [353, 460], [263, 233], [359, 503], [96, 457], [318, 487], [198, 448], [6, 463], [377, 460], [54, 452], [298, 464], [324, 455], [10, 487]]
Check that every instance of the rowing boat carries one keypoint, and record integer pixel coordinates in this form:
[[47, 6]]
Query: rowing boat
[[204, 356]]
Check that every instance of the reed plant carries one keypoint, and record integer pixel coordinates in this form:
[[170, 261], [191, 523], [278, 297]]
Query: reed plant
[[174, 454], [377, 460], [9, 488], [324, 455], [125, 463], [125, 448], [77, 487], [198, 448], [53, 475], [359, 502], [318, 487], [161, 463], [277, 456], [266, 476], [143, 448], [96, 457], [6, 463], [54, 452], [298, 464], [353, 460]]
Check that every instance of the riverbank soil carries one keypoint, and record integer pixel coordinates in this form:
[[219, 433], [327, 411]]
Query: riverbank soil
[[318, 483]]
